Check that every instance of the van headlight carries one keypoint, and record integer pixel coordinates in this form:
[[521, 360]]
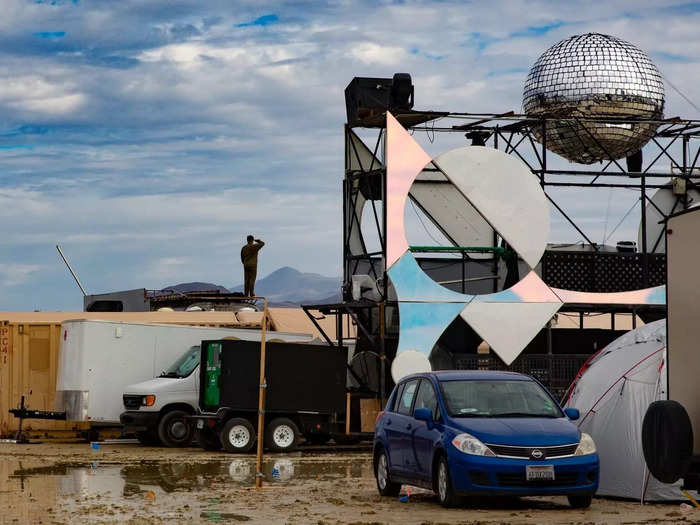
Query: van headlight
[[586, 446], [470, 445], [148, 401]]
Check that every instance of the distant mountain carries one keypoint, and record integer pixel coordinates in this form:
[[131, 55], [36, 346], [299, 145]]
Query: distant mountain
[[195, 287], [288, 285]]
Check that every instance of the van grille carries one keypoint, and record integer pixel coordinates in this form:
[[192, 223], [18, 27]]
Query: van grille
[[132, 402]]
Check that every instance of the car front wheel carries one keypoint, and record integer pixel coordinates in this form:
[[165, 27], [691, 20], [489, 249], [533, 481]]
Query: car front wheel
[[578, 501], [381, 473], [443, 484]]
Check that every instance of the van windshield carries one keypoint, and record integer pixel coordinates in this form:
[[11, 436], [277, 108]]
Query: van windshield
[[479, 398], [184, 366]]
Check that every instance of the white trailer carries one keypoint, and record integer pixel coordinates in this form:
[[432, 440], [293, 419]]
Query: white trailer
[[98, 359], [671, 427]]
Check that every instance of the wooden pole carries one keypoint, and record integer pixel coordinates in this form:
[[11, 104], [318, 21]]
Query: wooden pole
[[261, 402], [348, 405]]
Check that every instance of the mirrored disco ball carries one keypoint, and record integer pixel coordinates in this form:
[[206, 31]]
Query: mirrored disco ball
[[599, 76]]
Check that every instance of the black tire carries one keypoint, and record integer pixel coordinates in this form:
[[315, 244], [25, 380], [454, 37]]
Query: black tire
[[580, 501], [318, 439], [442, 482], [148, 438], [175, 430], [208, 439], [281, 435], [237, 435], [667, 440], [385, 486]]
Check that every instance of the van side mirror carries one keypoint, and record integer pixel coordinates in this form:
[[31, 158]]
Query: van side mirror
[[572, 413], [424, 414]]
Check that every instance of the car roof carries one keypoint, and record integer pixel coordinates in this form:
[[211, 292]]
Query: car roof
[[471, 375]]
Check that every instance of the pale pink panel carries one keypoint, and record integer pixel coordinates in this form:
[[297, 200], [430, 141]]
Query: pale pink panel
[[646, 296], [405, 159], [531, 289]]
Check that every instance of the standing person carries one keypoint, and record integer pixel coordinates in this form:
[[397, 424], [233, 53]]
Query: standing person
[[249, 258]]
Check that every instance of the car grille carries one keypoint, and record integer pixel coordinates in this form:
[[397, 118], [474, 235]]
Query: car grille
[[132, 402], [526, 452], [519, 480]]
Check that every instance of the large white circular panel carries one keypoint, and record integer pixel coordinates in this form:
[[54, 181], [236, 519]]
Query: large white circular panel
[[409, 362], [505, 192], [664, 200]]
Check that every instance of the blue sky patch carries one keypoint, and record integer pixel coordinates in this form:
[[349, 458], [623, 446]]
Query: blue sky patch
[[15, 146], [429, 56], [50, 35], [531, 31], [25, 129], [262, 21], [673, 57]]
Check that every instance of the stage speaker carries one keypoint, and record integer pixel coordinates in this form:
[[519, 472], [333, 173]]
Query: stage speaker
[[367, 97]]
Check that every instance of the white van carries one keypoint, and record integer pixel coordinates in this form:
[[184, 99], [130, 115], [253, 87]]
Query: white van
[[98, 359]]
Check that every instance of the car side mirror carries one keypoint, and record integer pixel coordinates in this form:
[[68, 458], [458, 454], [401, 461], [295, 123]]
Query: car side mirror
[[424, 414], [572, 413]]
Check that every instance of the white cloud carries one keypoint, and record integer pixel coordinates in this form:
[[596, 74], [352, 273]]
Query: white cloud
[[371, 53], [16, 274]]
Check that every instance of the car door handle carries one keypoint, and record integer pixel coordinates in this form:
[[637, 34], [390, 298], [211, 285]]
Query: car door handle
[[408, 427], [388, 422]]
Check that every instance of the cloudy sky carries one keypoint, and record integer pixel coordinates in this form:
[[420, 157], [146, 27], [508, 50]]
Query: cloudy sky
[[149, 137]]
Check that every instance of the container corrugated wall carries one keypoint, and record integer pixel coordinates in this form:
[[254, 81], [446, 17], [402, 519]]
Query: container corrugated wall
[[28, 366]]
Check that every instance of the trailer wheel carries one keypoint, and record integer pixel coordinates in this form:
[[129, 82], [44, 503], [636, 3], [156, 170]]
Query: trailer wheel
[[667, 440], [174, 429], [238, 435], [281, 435], [208, 439]]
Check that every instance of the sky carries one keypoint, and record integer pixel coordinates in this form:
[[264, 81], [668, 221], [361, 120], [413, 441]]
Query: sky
[[149, 138]]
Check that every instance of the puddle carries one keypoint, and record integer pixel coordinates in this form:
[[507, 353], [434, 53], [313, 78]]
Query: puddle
[[118, 491]]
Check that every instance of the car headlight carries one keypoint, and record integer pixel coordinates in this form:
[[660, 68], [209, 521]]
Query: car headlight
[[470, 445], [148, 401], [586, 446]]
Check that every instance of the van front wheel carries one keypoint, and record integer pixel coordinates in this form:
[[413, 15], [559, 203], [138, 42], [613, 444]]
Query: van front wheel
[[174, 429]]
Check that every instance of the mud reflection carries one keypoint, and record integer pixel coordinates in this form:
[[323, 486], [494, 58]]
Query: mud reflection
[[130, 480]]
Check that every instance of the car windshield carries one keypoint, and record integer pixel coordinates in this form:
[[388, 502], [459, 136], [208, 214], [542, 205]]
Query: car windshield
[[184, 366], [484, 398]]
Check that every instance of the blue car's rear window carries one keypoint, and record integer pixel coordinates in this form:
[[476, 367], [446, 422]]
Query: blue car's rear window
[[483, 398]]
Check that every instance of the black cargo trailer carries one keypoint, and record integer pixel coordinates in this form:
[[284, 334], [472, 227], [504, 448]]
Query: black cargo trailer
[[305, 394]]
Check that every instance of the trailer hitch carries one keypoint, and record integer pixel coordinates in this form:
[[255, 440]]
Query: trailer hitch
[[24, 413]]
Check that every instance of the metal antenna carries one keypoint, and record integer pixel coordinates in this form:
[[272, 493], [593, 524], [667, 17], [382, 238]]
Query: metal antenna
[[77, 281]]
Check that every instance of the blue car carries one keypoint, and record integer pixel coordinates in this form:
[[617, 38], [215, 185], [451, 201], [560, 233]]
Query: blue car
[[463, 433]]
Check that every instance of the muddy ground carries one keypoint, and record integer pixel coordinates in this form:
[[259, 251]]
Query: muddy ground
[[72, 483]]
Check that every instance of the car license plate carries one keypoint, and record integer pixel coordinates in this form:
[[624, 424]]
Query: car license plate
[[539, 472], [200, 423]]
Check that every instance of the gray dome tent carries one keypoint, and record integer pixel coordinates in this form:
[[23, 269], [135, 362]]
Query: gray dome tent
[[612, 391]]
